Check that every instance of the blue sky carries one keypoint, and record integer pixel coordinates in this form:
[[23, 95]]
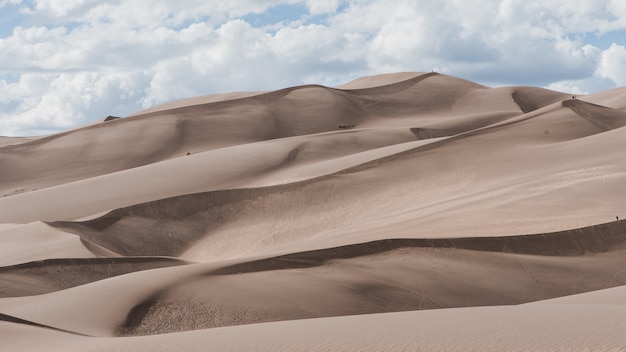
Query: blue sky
[[64, 63]]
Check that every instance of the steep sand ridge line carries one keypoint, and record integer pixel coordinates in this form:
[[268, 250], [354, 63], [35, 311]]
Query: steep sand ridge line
[[44, 276], [98, 250], [15, 320], [601, 116], [396, 98], [258, 99], [422, 97], [211, 98], [468, 124], [269, 97], [382, 79], [394, 87], [388, 87], [575, 242], [530, 98]]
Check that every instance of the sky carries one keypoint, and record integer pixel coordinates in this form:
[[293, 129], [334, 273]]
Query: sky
[[64, 63]]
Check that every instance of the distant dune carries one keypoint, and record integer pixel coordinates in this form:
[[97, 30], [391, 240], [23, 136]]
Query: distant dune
[[382, 214]]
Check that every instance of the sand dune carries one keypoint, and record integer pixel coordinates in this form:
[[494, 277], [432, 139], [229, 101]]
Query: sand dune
[[379, 214]]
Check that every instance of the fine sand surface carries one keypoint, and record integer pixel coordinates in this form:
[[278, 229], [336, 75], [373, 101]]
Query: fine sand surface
[[407, 211]]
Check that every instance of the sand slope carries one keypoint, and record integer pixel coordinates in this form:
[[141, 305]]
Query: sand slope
[[375, 215]]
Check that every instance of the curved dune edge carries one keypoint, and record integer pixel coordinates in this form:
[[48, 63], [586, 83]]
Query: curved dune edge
[[14, 320], [378, 80], [601, 116], [576, 242], [49, 275], [381, 85]]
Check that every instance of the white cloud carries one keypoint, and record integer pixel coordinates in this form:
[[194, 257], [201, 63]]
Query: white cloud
[[613, 64], [4, 3], [319, 7], [77, 60], [59, 8], [42, 103]]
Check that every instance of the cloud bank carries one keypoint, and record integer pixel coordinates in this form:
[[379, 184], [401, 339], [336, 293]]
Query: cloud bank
[[68, 62]]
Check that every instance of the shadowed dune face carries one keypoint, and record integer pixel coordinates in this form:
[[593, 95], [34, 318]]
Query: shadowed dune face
[[530, 99], [602, 116], [398, 192], [51, 275]]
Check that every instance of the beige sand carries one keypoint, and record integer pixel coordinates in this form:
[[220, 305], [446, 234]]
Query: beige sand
[[407, 211]]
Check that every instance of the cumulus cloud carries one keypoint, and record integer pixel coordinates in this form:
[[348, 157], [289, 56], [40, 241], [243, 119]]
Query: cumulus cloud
[[318, 7], [42, 103], [613, 64], [70, 62]]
